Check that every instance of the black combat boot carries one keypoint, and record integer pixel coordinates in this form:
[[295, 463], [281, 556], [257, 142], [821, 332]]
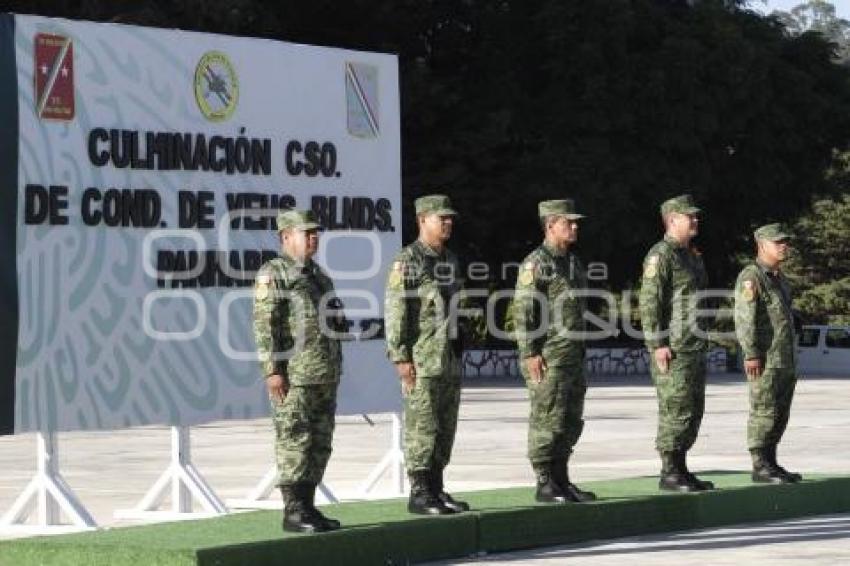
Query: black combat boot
[[764, 471], [297, 515], [332, 524], [561, 473], [548, 490], [698, 484], [446, 499], [771, 455], [422, 500], [673, 478]]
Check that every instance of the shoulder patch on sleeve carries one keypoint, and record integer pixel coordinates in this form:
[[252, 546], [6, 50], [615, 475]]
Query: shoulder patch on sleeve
[[396, 273], [526, 273], [262, 286], [650, 269], [749, 290]]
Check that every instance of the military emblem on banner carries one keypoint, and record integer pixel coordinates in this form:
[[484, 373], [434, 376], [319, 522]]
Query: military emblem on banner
[[54, 77], [216, 86], [361, 99]]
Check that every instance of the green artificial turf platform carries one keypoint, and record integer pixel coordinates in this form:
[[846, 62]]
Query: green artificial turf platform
[[382, 532]]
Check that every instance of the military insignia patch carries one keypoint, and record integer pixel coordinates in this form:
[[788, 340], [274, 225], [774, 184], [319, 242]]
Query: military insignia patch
[[526, 274], [396, 274], [651, 268], [749, 291], [263, 282]]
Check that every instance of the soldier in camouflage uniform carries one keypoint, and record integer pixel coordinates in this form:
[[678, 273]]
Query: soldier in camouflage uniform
[[673, 272], [549, 318], [423, 344], [301, 359], [764, 324]]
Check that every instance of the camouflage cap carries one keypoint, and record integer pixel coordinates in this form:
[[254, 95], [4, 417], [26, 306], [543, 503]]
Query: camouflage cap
[[564, 207], [434, 204], [683, 204], [773, 232], [296, 220]]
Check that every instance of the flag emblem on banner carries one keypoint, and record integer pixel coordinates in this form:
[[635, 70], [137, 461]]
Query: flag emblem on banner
[[361, 98], [54, 77]]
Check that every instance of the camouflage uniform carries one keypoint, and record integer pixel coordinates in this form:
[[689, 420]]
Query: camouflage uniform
[[417, 329], [672, 274], [549, 321], [764, 325], [557, 403], [288, 300], [421, 330]]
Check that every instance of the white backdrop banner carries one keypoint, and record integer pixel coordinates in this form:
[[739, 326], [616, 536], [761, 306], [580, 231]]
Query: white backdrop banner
[[150, 164]]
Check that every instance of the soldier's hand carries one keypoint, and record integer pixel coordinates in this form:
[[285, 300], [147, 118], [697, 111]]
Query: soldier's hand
[[536, 366], [407, 374], [753, 368], [662, 357], [278, 386]]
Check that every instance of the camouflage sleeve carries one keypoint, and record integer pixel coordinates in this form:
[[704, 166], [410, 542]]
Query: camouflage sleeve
[[654, 294], [268, 305], [526, 310], [746, 303], [396, 315]]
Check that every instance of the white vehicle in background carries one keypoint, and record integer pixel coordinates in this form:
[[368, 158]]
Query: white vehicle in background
[[824, 350]]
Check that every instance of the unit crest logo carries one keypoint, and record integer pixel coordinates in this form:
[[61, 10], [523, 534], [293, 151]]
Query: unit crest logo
[[216, 86], [54, 77]]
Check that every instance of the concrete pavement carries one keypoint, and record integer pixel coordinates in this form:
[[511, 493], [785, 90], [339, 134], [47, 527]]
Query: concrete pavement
[[112, 470]]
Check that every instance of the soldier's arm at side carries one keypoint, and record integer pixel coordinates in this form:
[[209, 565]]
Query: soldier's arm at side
[[396, 329], [267, 306], [654, 294], [396, 316], [527, 320], [746, 303]]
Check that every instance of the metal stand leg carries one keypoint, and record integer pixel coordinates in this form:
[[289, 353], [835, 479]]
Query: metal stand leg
[[393, 461], [258, 498], [184, 482], [48, 493]]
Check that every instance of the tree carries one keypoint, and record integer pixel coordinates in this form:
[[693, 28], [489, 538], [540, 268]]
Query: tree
[[819, 16], [820, 266]]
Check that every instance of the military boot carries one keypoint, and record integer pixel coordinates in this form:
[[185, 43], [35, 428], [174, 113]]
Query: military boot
[[673, 478], [446, 499], [297, 515], [771, 455], [332, 524], [698, 484], [561, 473], [548, 490], [423, 501], [765, 471]]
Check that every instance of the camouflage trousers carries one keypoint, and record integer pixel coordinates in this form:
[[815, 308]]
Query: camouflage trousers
[[304, 427], [681, 401], [430, 421], [555, 420], [770, 406]]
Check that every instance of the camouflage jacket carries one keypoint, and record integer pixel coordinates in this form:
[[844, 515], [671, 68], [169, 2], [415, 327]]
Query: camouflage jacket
[[288, 299], [764, 321], [417, 322], [553, 279], [672, 274]]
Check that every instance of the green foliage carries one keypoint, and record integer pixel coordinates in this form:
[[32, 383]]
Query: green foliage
[[819, 16], [820, 268]]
